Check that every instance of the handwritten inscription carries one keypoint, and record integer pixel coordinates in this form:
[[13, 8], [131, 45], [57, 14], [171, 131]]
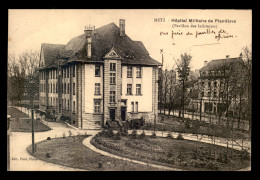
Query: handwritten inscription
[[216, 34]]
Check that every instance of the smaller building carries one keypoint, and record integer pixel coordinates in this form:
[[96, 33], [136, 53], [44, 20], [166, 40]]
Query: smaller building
[[214, 84]]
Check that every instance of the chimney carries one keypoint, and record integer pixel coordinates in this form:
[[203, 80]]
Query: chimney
[[227, 56], [122, 27], [205, 63], [88, 30]]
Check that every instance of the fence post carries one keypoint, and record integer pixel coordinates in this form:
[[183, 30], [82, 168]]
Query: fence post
[[162, 130]]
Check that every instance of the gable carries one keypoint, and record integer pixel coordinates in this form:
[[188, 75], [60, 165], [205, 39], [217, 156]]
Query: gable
[[112, 54]]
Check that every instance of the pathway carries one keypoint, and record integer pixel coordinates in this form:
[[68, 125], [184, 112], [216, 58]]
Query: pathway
[[21, 160]]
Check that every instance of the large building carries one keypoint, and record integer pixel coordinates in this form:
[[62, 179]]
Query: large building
[[98, 76], [215, 85]]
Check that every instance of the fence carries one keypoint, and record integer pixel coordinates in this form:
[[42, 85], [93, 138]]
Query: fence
[[244, 124]]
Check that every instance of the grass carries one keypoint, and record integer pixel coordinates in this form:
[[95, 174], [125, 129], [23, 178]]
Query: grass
[[71, 152], [22, 123], [175, 124], [181, 154]]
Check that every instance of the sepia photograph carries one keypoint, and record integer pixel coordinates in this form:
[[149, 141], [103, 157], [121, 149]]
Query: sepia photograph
[[129, 90]]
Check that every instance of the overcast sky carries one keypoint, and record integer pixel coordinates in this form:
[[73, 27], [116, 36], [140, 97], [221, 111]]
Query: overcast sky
[[29, 28]]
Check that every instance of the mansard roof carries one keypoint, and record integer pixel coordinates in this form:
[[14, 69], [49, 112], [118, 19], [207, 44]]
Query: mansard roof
[[220, 64], [103, 40]]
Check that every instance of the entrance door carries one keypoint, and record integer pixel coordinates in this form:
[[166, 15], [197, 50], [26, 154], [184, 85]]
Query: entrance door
[[123, 110], [112, 114]]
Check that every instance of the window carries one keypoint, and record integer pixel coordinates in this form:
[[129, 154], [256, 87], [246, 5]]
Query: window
[[51, 74], [64, 88], [56, 87], [112, 97], [215, 84], [56, 72], [129, 72], [64, 72], [73, 70], [51, 101], [138, 72], [97, 70], [136, 106], [129, 89], [74, 88], [97, 105], [208, 93], [112, 66], [132, 106], [97, 88], [65, 104], [112, 78], [61, 73], [138, 89], [68, 72], [68, 104], [215, 94], [68, 88], [73, 106]]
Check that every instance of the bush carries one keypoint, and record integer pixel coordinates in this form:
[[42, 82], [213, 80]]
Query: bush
[[169, 136], [48, 155], [134, 133], [179, 137], [117, 136], [142, 135], [124, 132], [107, 133], [153, 135], [48, 138], [245, 155]]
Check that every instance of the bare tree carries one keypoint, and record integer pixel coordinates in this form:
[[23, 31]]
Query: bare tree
[[183, 69]]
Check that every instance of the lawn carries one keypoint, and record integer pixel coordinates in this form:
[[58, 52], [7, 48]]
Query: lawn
[[20, 122], [181, 154], [175, 124], [70, 151]]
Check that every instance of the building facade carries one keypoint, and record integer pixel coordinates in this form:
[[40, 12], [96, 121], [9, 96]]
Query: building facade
[[98, 76], [216, 85]]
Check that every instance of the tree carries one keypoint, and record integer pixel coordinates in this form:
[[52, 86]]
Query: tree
[[20, 70], [247, 81], [183, 69]]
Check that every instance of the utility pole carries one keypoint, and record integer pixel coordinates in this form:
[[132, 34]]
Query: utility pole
[[32, 107], [200, 107]]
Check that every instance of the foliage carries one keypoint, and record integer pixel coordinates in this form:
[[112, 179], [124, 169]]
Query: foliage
[[117, 136], [153, 135], [179, 137], [142, 135], [134, 134], [47, 155], [169, 135], [245, 155]]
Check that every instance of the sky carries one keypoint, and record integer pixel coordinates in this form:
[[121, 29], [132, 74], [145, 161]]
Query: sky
[[27, 29]]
